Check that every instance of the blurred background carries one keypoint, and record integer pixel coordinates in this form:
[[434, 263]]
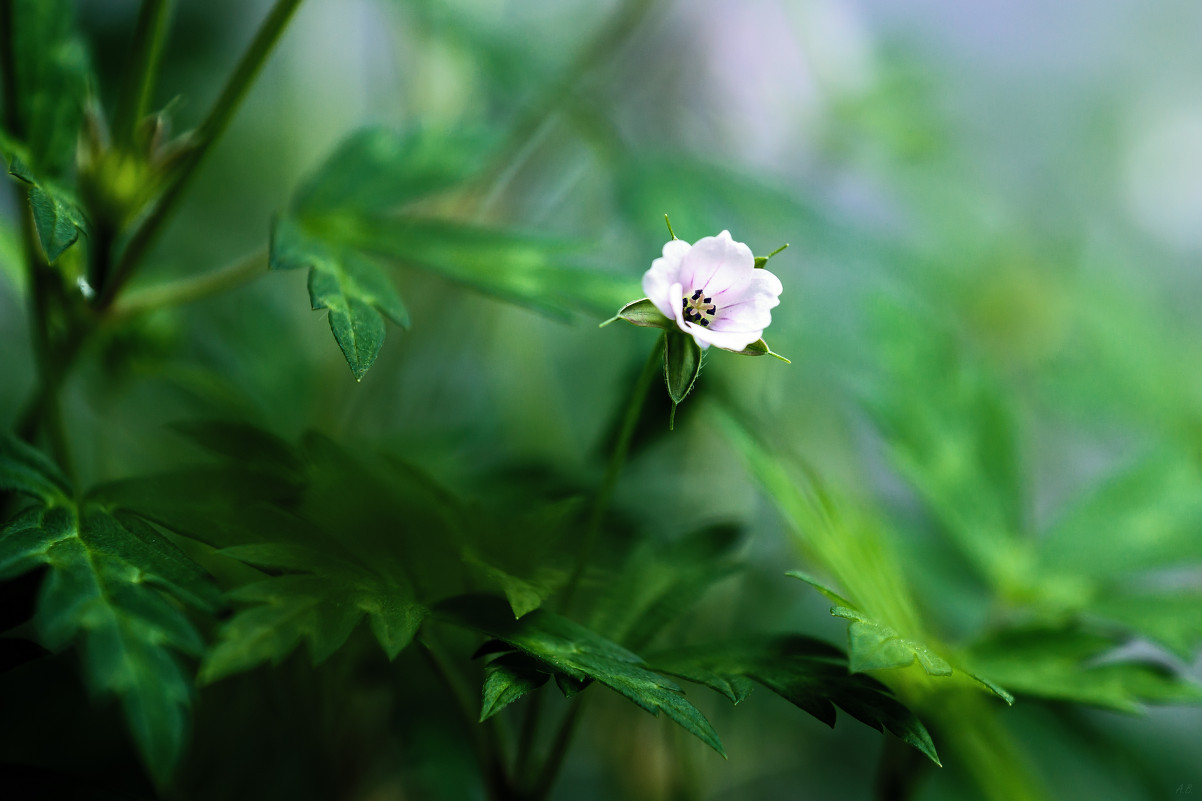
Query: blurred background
[[998, 194]]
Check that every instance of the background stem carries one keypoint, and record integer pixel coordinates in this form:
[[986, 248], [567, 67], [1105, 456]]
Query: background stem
[[146, 49]]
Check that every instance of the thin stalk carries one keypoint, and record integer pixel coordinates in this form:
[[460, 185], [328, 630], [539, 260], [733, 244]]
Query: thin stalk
[[204, 137], [8, 69], [559, 751], [634, 407], [192, 288], [485, 741], [146, 49]]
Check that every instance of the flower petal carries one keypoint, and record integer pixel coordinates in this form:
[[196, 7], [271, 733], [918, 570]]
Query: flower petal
[[664, 272], [727, 340], [751, 309], [717, 264]]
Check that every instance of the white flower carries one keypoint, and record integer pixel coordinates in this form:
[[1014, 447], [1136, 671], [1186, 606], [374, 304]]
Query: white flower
[[713, 291]]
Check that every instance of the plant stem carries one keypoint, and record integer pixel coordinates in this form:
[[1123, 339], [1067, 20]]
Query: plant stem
[[559, 750], [485, 741], [145, 51], [192, 288], [634, 408], [204, 137]]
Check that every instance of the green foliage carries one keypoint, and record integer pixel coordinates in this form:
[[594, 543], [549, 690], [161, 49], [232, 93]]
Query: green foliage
[[806, 672], [1074, 664], [358, 209], [508, 678], [322, 603], [56, 216], [682, 364], [114, 588], [565, 647]]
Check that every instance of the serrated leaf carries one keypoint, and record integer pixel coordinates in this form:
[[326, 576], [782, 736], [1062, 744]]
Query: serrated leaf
[[321, 605], [102, 591], [873, 646], [642, 313], [353, 288], [26, 470], [808, 673], [507, 679], [1073, 664], [580, 654]]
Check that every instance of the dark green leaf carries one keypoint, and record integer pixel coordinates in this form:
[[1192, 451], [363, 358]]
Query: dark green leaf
[[24, 469], [352, 287], [808, 673], [508, 678], [581, 654], [101, 591], [251, 447], [51, 76], [660, 581], [321, 605], [682, 363], [58, 224]]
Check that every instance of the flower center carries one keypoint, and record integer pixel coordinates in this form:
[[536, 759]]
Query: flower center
[[698, 309]]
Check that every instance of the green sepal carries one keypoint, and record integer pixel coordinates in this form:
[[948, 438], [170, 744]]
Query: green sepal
[[760, 261], [682, 363], [760, 348], [642, 313]]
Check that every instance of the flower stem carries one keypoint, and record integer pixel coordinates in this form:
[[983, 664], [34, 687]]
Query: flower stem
[[634, 408], [204, 137]]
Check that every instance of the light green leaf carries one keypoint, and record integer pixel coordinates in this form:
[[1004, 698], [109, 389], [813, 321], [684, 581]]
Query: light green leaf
[[1173, 619], [642, 313], [580, 654], [1073, 664], [873, 646], [760, 348], [808, 673]]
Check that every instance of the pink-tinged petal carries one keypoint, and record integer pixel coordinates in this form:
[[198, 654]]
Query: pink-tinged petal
[[727, 340], [716, 265], [664, 272], [752, 309]]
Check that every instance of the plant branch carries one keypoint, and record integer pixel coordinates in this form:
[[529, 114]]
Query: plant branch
[[146, 49], [209, 131], [192, 288], [559, 751]]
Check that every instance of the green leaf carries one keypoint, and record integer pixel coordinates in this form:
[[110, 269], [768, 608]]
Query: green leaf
[[1074, 664], [508, 678], [321, 605], [660, 581], [642, 313], [352, 287], [58, 224], [760, 348], [250, 446], [106, 590], [1173, 619], [26, 470], [682, 363], [376, 170], [52, 75], [581, 654], [1145, 517], [808, 673], [875, 646]]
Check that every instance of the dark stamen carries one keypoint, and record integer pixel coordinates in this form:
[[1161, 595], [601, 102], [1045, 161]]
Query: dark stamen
[[705, 323], [697, 294], [707, 300]]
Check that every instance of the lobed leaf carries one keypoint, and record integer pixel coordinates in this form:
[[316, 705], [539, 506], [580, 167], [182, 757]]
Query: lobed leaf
[[808, 673], [106, 589], [579, 654], [26, 470]]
